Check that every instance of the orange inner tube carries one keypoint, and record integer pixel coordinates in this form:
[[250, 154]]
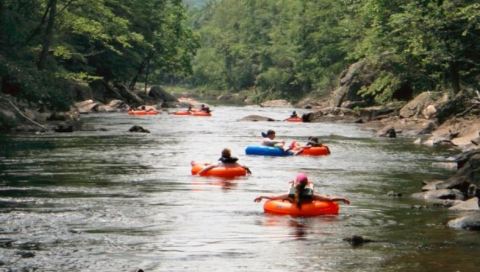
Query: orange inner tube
[[143, 112], [201, 113], [182, 113], [294, 119], [223, 171], [315, 151], [313, 208]]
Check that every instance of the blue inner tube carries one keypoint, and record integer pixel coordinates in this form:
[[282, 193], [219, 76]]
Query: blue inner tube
[[266, 151]]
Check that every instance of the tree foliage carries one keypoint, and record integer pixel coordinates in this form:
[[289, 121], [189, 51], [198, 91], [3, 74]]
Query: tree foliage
[[116, 40], [294, 47]]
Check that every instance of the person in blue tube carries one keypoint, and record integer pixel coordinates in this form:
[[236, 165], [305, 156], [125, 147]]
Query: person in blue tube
[[269, 139]]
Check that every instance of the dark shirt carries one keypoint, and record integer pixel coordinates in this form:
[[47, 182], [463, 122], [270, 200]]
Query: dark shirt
[[228, 160]]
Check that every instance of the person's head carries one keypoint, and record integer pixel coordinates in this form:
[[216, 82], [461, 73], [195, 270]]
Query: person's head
[[226, 153], [301, 179], [202, 106], [269, 134], [314, 139]]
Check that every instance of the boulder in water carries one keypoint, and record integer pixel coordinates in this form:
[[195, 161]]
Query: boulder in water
[[138, 129], [256, 118]]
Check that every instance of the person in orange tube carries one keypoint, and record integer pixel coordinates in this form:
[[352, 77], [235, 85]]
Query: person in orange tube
[[226, 160], [301, 191], [312, 142]]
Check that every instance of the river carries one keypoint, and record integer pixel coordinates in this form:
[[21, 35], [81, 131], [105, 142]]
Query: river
[[109, 200]]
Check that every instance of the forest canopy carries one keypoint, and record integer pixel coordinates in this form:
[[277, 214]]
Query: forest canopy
[[278, 48], [291, 48]]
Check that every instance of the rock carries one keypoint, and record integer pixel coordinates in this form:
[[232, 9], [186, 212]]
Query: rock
[[387, 131], [352, 80], [469, 222], [114, 105], [159, 94], [419, 207], [429, 112], [86, 106], [138, 129], [279, 103], [394, 194], [445, 165], [102, 92], [25, 254], [64, 128], [8, 118], [419, 104], [444, 194], [468, 205], [129, 96], [256, 118], [357, 240]]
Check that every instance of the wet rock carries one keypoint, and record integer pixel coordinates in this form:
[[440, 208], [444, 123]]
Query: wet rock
[[86, 106], [357, 240], [445, 165], [394, 194], [468, 205], [138, 129], [6, 242], [256, 118], [418, 207], [444, 194], [452, 194], [279, 103], [358, 121], [431, 185], [388, 131], [469, 222], [25, 254], [64, 128], [443, 203]]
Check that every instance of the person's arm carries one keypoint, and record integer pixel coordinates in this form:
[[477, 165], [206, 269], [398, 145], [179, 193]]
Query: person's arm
[[246, 169], [334, 199], [205, 169], [279, 197]]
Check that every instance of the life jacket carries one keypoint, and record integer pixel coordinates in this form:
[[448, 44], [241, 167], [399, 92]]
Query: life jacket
[[305, 195], [228, 160]]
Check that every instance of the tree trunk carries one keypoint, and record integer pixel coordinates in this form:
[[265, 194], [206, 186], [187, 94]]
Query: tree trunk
[[2, 25], [455, 77], [147, 72], [48, 35], [142, 66]]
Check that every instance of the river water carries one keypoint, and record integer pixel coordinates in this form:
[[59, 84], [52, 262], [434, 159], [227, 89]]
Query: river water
[[111, 200]]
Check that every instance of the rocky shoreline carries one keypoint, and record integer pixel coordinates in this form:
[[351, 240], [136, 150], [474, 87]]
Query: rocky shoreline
[[432, 120]]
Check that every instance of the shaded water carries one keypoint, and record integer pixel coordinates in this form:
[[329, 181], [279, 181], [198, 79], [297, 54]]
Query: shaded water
[[116, 201]]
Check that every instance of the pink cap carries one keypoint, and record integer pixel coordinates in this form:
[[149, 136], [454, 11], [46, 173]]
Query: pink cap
[[301, 178]]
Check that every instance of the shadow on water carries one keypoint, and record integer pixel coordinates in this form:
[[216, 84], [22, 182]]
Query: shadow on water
[[113, 201]]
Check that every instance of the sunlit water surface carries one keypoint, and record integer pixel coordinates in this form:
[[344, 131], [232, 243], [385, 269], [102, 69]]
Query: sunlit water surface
[[117, 201]]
